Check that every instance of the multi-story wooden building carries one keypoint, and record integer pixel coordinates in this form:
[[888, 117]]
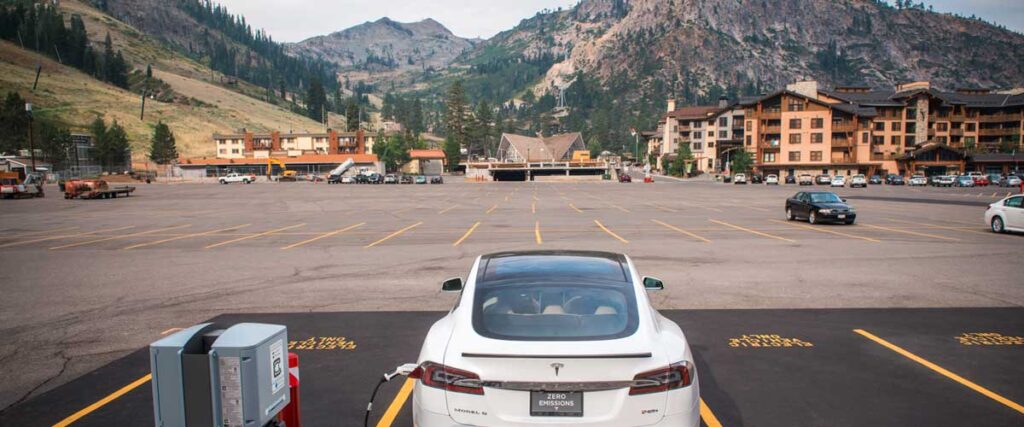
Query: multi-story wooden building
[[912, 128], [276, 144]]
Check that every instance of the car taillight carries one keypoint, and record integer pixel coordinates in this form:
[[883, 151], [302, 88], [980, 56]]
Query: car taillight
[[447, 378], [676, 376]]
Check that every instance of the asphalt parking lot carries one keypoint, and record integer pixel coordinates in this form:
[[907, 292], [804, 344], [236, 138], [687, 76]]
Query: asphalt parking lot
[[88, 283]]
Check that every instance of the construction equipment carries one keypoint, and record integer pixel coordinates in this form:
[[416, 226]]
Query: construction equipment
[[11, 185], [94, 189], [286, 175], [334, 177]]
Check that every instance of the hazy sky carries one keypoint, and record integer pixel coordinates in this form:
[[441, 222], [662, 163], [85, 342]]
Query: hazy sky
[[295, 20]]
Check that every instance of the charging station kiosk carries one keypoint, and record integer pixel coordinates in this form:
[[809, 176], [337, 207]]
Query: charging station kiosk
[[210, 376]]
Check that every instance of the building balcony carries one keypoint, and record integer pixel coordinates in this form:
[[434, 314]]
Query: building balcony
[[771, 129], [957, 118], [841, 142], [998, 131], [768, 145], [956, 132], [997, 118], [771, 114], [843, 127]]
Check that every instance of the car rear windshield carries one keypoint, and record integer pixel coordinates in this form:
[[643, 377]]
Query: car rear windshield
[[554, 298], [825, 198]]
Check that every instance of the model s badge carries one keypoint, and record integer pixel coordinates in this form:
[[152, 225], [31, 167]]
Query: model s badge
[[557, 366]]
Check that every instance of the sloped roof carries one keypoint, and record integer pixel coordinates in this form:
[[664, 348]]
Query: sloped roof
[[560, 144], [693, 112], [531, 148]]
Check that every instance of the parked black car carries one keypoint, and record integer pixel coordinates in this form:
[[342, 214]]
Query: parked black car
[[790, 179], [362, 179], [436, 179], [405, 179], [819, 206], [755, 179], [896, 180], [875, 180]]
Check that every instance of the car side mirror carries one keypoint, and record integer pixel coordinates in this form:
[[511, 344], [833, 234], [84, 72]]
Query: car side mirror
[[653, 284], [844, 200], [452, 285]]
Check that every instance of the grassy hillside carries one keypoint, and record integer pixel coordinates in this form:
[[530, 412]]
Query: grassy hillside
[[206, 105]]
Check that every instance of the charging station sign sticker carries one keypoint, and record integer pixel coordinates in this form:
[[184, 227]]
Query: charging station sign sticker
[[230, 391], [277, 367]]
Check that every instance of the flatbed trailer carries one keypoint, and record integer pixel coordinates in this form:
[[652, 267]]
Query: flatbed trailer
[[95, 189]]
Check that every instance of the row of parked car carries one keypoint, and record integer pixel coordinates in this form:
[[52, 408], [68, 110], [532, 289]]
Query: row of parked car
[[972, 179], [376, 178]]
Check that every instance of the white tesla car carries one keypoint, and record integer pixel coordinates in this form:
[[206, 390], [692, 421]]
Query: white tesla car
[[555, 338]]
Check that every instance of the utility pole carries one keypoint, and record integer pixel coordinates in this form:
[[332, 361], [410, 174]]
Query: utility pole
[[31, 138]]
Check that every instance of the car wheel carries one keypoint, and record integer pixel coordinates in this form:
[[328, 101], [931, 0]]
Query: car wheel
[[997, 225], [789, 214], [813, 217], [849, 222]]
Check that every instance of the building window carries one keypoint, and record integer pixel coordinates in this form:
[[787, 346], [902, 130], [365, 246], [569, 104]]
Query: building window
[[942, 127], [795, 106], [748, 139], [940, 139], [794, 123], [750, 124], [817, 138], [817, 123], [896, 140], [877, 140], [768, 157], [723, 121], [897, 126], [794, 138], [698, 146], [969, 127], [675, 128], [723, 134], [711, 144], [794, 156], [879, 126], [864, 138], [223, 150], [696, 125], [234, 151], [711, 133], [815, 156]]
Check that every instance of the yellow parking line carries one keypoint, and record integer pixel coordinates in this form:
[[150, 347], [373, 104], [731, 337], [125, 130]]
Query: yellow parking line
[[100, 403], [184, 236], [65, 236], [610, 233], [466, 236], [709, 417], [672, 227], [170, 330], [913, 233], [620, 208], [396, 405], [535, 198], [661, 208], [943, 227], [825, 230], [770, 236], [393, 235], [253, 236], [963, 381], [446, 210], [71, 245], [491, 209], [575, 208], [536, 233], [533, 207], [324, 236]]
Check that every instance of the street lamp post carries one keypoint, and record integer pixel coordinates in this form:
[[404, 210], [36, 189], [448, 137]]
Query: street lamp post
[[31, 138]]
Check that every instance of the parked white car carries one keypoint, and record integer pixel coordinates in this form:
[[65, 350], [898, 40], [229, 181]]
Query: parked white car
[[542, 336], [1006, 215], [771, 180], [237, 177], [918, 181], [858, 181], [739, 178], [839, 181]]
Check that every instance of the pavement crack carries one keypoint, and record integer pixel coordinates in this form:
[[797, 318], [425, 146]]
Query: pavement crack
[[30, 392]]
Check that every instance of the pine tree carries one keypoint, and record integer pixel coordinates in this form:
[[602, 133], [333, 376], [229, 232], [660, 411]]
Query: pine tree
[[163, 149], [455, 115], [13, 124], [316, 100], [352, 116], [452, 153]]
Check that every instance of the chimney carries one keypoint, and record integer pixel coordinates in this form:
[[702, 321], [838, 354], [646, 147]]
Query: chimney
[[723, 102], [671, 105], [808, 88], [332, 141], [360, 142], [247, 136], [275, 141]]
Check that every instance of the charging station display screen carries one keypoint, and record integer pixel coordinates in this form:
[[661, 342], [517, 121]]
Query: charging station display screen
[[277, 367]]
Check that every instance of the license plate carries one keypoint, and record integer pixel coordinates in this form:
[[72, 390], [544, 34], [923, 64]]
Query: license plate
[[842, 216], [556, 404]]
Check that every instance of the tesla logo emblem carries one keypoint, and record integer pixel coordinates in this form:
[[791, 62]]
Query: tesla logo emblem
[[557, 367]]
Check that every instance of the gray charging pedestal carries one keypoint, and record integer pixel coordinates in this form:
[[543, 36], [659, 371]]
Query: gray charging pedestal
[[209, 376]]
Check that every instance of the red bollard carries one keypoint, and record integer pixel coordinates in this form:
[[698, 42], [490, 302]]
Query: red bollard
[[290, 414]]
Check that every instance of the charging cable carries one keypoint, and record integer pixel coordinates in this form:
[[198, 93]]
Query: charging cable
[[403, 370]]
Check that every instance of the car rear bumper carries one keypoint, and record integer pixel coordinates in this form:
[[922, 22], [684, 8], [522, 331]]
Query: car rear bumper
[[423, 418], [835, 217]]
